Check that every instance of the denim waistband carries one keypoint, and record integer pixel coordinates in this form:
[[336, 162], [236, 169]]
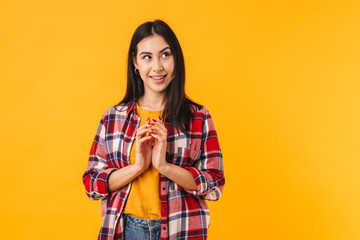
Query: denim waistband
[[147, 223]]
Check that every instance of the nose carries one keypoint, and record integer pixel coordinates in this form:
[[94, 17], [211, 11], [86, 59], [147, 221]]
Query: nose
[[157, 66]]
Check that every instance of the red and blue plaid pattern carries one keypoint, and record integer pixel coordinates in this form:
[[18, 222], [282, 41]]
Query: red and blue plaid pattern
[[184, 213]]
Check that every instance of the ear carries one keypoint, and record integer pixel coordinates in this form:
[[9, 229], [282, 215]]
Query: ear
[[134, 60]]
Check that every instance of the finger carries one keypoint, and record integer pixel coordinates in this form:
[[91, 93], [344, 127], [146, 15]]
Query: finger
[[155, 136], [144, 139], [143, 130], [155, 131], [163, 131], [140, 133], [146, 125], [158, 120], [159, 123], [160, 132], [149, 142], [162, 126]]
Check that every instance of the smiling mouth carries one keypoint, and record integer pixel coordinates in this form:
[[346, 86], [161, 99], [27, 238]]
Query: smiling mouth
[[158, 77]]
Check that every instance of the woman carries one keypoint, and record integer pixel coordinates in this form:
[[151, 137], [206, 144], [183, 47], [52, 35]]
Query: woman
[[155, 158]]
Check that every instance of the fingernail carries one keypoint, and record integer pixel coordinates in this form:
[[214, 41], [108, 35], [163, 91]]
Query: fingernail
[[148, 119], [154, 120], [159, 118]]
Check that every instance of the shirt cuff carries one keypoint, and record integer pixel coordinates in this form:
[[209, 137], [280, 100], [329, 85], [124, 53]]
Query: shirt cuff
[[102, 181], [200, 180]]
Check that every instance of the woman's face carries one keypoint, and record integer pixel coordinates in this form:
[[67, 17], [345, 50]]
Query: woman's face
[[155, 62]]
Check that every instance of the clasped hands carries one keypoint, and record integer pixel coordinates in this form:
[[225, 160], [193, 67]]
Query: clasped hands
[[151, 147]]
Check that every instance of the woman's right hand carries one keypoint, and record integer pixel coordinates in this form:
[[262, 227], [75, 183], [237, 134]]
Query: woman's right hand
[[143, 146]]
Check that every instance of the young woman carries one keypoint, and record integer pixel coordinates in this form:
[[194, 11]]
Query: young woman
[[155, 158]]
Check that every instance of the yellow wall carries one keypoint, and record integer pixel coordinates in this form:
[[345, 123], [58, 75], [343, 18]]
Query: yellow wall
[[280, 78]]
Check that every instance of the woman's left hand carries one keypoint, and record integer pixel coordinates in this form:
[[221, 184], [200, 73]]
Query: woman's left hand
[[158, 157]]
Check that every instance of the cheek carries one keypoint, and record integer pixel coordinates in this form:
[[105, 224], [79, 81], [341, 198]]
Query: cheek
[[169, 66], [144, 68]]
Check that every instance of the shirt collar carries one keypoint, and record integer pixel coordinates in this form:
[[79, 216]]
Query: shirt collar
[[131, 107]]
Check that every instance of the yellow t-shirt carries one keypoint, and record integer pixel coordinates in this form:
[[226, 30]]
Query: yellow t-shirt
[[144, 198]]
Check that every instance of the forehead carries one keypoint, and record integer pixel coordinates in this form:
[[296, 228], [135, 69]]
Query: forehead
[[153, 43]]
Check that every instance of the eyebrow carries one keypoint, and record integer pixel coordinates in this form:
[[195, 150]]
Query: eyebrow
[[151, 53]]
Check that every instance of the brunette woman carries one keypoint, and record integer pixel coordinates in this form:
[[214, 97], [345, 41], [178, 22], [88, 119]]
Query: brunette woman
[[155, 159]]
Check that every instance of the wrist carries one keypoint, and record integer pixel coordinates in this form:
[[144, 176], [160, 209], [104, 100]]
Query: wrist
[[138, 168], [163, 168]]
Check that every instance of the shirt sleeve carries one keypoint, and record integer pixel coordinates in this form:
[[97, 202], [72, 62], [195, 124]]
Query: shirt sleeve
[[95, 178], [208, 172]]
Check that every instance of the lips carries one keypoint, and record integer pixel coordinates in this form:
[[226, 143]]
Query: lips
[[158, 77]]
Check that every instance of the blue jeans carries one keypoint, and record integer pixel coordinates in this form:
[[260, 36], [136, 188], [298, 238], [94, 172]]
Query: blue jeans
[[142, 229]]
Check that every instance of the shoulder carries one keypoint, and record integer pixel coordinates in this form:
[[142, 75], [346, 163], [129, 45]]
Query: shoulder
[[199, 112], [115, 111], [121, 108], [200, 118], [195, 108]]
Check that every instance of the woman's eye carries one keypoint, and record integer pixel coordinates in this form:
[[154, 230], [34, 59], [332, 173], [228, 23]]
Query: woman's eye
[[165, 54], [147, 57]]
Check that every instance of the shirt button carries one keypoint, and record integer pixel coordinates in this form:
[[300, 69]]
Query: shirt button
[[164, 207], [163, 188], [164, 228]]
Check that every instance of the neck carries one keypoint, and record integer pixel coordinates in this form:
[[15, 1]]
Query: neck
[[152, 102]]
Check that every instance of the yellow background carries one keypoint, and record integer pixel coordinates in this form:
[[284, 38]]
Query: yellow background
[[280, 78]]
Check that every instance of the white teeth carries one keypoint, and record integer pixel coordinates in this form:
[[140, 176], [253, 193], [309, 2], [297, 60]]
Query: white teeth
[[157, 78]]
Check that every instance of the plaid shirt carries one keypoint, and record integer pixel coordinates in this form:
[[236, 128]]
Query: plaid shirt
[[184, 213]]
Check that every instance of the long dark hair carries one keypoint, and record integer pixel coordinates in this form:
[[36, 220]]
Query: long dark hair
[[178, 107]]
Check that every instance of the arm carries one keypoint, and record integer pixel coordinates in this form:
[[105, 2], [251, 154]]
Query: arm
[[207, 168], [176, 173], [180, 175], [123, 176], [99, 179], [205, 178], [95, 178]]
